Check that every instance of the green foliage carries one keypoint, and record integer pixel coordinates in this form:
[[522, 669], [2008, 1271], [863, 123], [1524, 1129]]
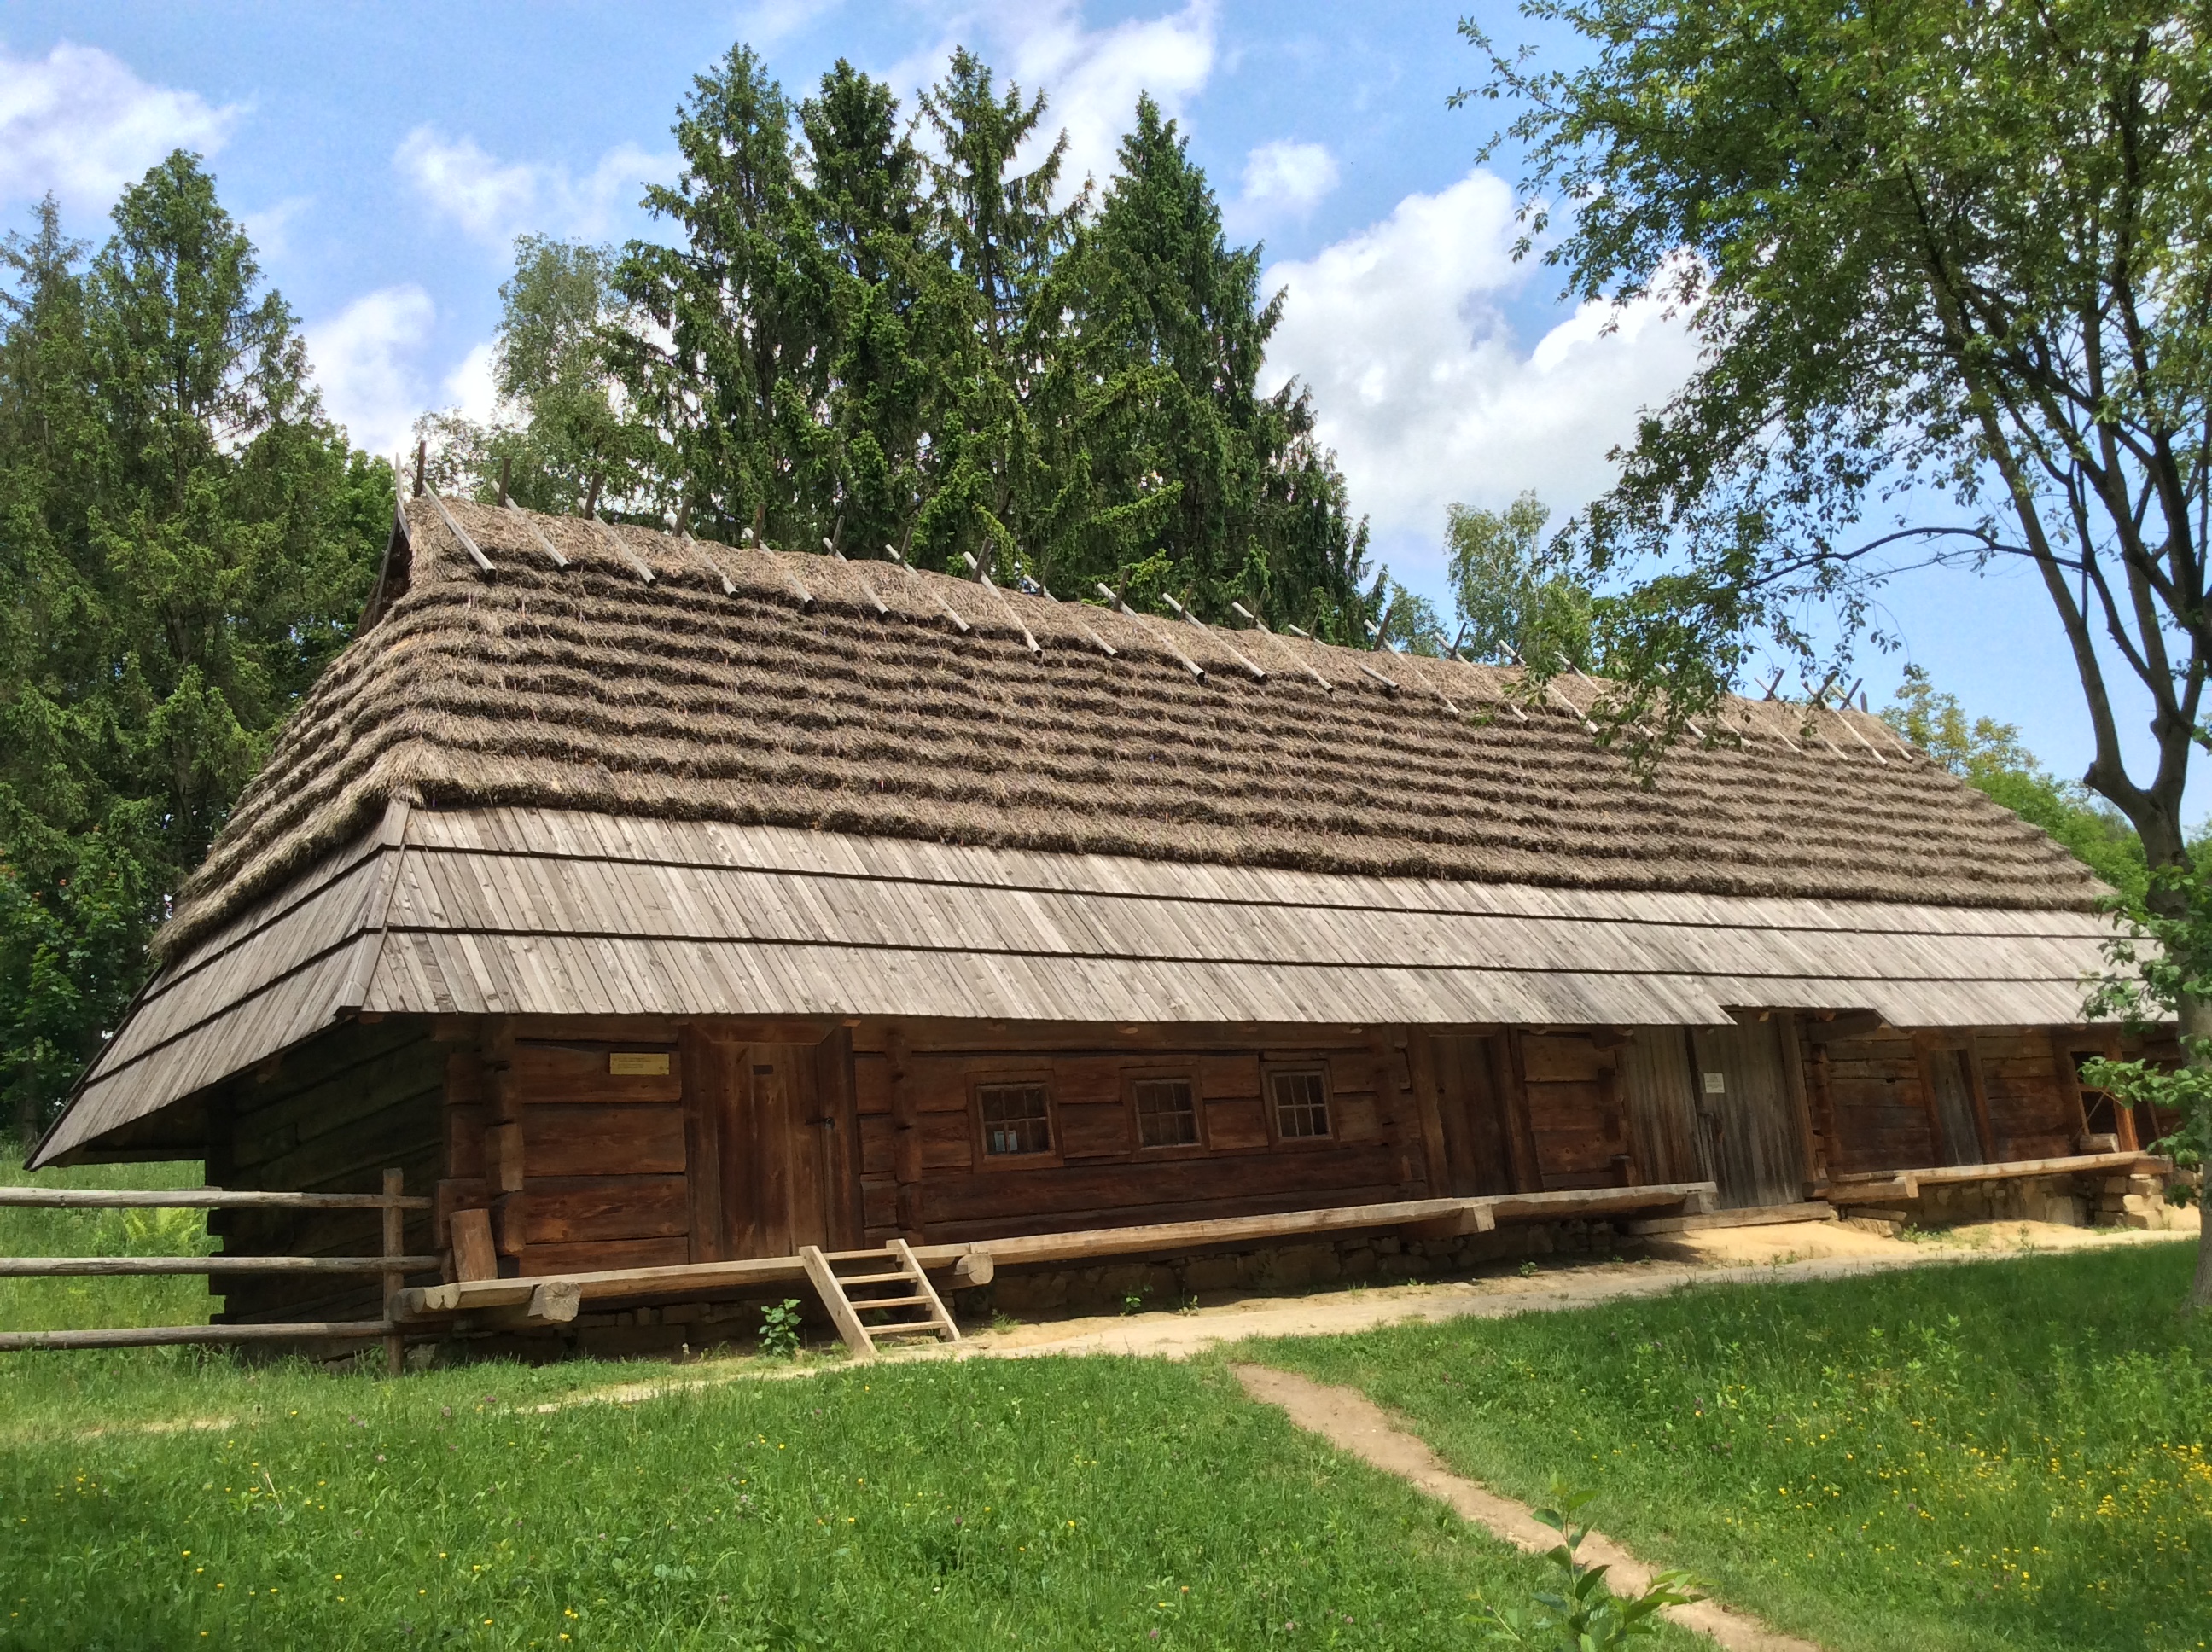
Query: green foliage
[[1588, 1616], [185, 542], [1943, 249], [779, 1332], [1989, 755], [864, 340], [1512, 604], [1949, 1458]]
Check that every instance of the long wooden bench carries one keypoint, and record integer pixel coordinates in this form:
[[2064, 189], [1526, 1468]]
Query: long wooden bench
[[552, 1299], [1881, 1187]]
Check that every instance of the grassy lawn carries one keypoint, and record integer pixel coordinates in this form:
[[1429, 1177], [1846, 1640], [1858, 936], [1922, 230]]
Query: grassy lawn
[[177, 1498], [2009, 1454]]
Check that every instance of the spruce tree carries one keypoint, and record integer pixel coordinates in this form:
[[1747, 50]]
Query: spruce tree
[[185, 543], [729, 364]]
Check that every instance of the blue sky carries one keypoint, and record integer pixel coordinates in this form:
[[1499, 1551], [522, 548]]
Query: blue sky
[[385, 156]]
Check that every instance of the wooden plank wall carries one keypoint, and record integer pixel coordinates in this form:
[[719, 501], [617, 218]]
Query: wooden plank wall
[[328, 1117], [581, 1167], [923, 1172], [1874, 1103], [1574, 1103]]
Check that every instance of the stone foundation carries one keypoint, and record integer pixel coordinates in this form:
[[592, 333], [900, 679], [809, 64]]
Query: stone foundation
[[2074, 1201]]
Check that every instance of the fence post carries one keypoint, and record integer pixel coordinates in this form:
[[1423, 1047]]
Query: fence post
[[395, 1222]]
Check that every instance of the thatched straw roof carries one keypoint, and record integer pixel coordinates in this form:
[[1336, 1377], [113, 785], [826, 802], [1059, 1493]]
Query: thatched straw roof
[[761, 687]]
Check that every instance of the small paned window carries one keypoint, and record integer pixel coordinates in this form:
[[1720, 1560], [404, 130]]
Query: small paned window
[[1167, 1113], [1301, 1101], [1015, 1120]]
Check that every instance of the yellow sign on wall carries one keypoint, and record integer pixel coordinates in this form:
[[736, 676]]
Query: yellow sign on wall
[[638, 1063]]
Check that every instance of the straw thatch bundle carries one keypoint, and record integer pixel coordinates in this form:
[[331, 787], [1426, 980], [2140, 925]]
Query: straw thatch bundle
[[789, 699]]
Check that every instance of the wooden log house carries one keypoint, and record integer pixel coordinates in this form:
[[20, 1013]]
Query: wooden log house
[[662, 905]]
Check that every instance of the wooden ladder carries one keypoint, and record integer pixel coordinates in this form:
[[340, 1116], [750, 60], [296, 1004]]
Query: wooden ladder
[[904, 1291]]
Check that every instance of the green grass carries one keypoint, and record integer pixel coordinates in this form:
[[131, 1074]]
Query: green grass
[[2005, 1453], [180, 1498], [89, 1303]]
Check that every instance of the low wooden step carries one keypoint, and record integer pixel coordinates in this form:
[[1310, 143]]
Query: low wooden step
[[845, 1310]]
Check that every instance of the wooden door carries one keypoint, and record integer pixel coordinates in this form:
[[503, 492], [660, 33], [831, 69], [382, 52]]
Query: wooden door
[[1658, 1089], [1478, 1148], [1746, 1116], [1951, 1090], [780, 1152]]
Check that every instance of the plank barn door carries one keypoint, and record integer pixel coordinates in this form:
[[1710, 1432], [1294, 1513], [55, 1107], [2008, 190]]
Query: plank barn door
[[1477, 1125], [1746, 1116], [782, 1158], [1659, 1088]]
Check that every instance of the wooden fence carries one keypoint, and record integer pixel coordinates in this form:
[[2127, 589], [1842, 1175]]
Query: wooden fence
[[392, 1262]]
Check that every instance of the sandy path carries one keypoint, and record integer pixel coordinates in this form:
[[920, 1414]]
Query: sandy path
[[1797, 1250], [1353, 1423]]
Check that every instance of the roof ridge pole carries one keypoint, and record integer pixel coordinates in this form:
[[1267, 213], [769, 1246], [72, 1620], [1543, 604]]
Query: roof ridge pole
[[729, 586], [1131, 614], [1859, 737], [530, 523], [805, 596], [483, 561], [1553, 689], [1258, 676], [935, 596], [1326, 687], [1421, 674], [983, 579]]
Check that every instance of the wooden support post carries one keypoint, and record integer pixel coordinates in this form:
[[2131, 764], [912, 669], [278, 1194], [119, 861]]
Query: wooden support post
[[1398, 1114], [1520, 1128], [473, 1255], [1421, 1068], [1793, 1078], [906, 1124], [395, 1246]]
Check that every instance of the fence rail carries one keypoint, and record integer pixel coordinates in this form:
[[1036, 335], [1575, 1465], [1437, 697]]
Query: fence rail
[[392, 1262]]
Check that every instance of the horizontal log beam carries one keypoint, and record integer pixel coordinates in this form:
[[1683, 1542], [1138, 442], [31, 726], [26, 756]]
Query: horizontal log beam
[[200, 1199], [158, 1336], [475, 1296], [1873, 1187], [41, 1267]]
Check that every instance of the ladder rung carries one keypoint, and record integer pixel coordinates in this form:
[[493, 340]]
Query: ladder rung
[[863, 1303], [927, 1328], [849, 1280]]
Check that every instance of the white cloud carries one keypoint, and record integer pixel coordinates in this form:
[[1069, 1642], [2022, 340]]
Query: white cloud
[[363, 361], [470, 388], [769, 23], [79, 123], [1091, 77], [270, 228], [493, 201], [1288, 176], [1423, 391]]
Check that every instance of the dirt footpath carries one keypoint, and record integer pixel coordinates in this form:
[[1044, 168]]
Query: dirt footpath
[[1796, 1250]]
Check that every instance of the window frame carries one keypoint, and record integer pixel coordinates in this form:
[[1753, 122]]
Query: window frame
[[1131, 1077], [1009, 1079], [1318, 1067]]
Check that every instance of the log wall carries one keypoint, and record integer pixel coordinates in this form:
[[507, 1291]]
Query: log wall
[[329, 1116], [925, 1173]]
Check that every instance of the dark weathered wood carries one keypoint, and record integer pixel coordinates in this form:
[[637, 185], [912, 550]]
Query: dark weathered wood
[[570, 1138], [567, 1210], [705, 1110], [1520, 1132], [906, 1120]]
